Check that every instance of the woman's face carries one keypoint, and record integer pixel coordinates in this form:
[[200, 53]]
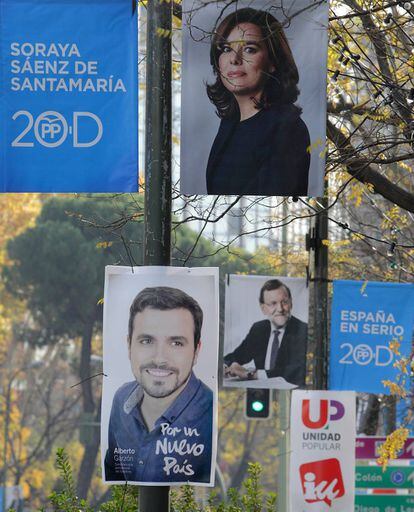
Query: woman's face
[[244, 63]]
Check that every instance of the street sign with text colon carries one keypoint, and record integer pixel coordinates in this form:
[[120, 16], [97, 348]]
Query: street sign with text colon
[[367, 448], [378, 503], [368, 477]]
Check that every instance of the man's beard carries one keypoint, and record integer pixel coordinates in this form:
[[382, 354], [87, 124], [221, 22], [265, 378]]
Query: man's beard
[[165, 386]]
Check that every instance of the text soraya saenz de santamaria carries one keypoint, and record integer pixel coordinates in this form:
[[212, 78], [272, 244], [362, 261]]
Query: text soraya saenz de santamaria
[[60, 60]]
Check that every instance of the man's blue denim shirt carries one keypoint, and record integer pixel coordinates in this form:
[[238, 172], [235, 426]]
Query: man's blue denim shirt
[[178, 449]]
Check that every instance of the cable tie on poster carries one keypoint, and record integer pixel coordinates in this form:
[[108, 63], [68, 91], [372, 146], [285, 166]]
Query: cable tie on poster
[[363, 287], [89, 378], [310, 279], [320, 280]]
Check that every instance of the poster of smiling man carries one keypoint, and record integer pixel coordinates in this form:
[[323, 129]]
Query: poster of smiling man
[[159, 401], [253, 97], [265, 332]]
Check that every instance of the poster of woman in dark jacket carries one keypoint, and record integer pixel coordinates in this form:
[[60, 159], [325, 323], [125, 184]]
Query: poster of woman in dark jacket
[[257, 74]]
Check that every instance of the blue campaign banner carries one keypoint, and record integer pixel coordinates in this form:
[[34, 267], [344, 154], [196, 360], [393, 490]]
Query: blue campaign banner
[[68, 96], [366, 317]]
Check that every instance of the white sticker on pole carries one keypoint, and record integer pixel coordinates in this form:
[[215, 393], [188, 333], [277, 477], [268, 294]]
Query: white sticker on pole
[[322, 464]]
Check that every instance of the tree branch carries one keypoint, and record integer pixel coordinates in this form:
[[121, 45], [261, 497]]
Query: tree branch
[[360, 169]]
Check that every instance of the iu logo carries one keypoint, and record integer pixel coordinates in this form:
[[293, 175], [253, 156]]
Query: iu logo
[[329, 410], [322, 481]]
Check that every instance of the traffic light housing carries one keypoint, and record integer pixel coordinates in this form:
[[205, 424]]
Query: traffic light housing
[[257, 404]]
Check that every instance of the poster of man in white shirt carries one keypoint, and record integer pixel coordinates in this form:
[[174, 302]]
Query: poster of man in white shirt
[[266, 330]]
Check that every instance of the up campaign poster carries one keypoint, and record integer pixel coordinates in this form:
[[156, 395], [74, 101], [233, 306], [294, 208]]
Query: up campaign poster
[[253, 103], [159, 401], [322, 461], [68, 96]]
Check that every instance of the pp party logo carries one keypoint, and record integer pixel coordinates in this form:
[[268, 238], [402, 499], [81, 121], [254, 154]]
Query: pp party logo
[[322, 481], [329, 410]]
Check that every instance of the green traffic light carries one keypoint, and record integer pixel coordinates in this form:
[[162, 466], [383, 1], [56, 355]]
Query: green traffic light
[[257, 406]]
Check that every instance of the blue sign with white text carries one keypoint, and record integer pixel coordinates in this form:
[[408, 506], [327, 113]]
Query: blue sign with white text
[[366, 318], [68, 97]]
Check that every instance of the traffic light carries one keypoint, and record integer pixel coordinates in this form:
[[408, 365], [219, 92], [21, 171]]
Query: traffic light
[[257, 404]]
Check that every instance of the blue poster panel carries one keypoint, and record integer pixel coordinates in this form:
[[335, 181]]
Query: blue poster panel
[[68, 97], [366, 317]]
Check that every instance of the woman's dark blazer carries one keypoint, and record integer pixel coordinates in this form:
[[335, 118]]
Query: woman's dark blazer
[[280, 145]]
